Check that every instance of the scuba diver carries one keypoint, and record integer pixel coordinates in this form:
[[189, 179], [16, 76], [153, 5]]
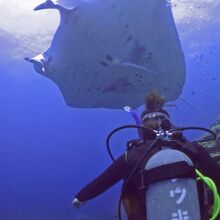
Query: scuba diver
[[130, 165]]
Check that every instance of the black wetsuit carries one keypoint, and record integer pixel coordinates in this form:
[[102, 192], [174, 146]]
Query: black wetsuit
[[134, 200]]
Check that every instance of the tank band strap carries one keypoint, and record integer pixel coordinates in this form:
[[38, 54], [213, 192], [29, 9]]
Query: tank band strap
[[169, 171]]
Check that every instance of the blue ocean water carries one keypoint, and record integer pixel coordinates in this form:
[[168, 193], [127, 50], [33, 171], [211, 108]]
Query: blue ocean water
[[49, 151]]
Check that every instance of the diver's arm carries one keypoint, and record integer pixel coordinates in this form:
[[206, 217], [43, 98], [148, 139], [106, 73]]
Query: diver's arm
[[109, 177]]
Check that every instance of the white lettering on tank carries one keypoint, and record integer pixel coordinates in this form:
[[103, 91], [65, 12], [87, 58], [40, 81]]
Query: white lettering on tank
[[182, 192], [180, 215]]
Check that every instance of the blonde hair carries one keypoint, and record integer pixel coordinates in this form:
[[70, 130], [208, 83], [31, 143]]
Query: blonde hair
[[154, 102]]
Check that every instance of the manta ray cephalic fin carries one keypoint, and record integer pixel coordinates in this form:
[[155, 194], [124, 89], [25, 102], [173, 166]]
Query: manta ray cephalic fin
[[52, 4]]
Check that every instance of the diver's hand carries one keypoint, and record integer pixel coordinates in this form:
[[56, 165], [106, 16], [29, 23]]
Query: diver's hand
[[76, 203]]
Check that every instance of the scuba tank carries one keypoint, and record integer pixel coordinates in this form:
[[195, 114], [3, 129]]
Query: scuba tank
[[170, 197]]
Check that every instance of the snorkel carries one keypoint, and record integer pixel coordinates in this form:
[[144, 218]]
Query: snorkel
[[136, 118]]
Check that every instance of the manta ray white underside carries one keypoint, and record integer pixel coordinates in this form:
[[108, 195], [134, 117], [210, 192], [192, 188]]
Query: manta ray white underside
[[112, 53]]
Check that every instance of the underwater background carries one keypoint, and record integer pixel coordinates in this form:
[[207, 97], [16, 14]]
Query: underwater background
[[49, 151]]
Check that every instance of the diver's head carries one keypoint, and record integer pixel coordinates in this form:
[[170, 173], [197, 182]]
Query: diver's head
[[155, 117]]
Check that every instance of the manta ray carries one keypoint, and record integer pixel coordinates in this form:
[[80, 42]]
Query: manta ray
[[112, 53]]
